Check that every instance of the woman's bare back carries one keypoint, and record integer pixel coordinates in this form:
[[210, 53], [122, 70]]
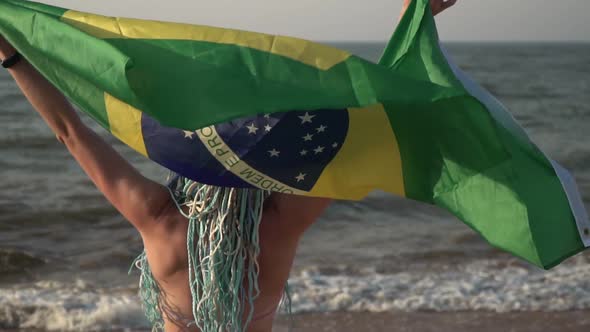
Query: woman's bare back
[[279, 236]]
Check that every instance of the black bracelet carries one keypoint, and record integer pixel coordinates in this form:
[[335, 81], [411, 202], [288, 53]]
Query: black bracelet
[[11, 61]]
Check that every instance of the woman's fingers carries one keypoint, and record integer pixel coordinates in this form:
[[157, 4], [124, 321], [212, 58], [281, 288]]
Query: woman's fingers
[[437, 6], [449, 3], [6, 49], [440, 5]]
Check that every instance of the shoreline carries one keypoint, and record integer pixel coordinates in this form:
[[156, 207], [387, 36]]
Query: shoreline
[[480, 321], [397, 321]]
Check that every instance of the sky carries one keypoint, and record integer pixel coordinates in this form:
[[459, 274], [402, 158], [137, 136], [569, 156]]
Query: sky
[[363, 20]]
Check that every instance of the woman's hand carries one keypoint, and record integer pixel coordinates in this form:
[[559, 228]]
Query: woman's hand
[[6, 49], [437, 6]]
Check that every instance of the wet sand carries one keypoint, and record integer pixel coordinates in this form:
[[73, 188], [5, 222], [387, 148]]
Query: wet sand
[[571, 321]]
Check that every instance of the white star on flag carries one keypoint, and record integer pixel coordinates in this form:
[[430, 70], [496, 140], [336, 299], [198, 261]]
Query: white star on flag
[[300, 177], [274, 153], [252, 129], [267, 128], [321, 129], [335, 145], [303, 152], [188, 134], [308, 137], [319, 149], [306, 118], [267, 116]]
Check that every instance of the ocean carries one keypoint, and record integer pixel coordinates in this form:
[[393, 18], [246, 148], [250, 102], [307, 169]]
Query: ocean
[[65, 252]]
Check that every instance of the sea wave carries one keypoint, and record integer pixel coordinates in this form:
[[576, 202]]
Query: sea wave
[[13, 261], [487, 285], [55, 306]]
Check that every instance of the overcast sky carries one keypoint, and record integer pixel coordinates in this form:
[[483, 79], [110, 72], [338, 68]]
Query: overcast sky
[[363, 20]]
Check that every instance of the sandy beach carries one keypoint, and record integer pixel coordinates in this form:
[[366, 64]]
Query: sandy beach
[[570, 321]]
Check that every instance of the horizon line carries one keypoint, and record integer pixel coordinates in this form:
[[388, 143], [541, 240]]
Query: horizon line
[[573, 41]]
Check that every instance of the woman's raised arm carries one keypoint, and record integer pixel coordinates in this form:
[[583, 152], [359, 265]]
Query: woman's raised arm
[[137, 198]]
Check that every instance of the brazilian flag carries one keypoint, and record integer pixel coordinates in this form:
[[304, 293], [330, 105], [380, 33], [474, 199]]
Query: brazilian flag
[[243, 109]]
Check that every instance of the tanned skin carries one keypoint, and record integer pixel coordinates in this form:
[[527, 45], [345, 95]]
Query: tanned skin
[[148, 206]]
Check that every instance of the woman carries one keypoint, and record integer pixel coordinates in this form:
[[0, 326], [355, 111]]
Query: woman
[[150, 208]]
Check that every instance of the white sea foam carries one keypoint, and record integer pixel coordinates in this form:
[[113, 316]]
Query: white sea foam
[[55, 306], [476, 286], [481, 285]]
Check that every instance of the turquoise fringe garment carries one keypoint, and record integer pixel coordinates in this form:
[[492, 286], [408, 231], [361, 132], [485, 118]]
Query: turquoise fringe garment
[[223, 246]]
